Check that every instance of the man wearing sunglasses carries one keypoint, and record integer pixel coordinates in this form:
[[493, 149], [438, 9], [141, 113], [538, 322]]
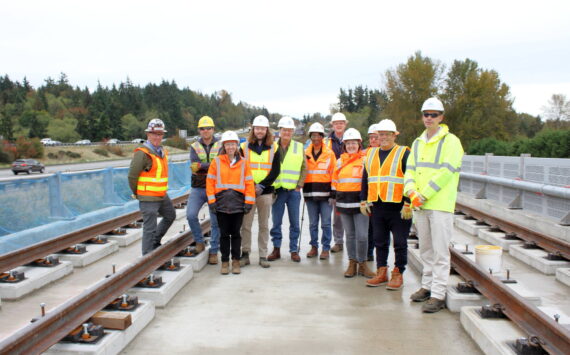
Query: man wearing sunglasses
[[148, 180], [202, 152], [431, 181]]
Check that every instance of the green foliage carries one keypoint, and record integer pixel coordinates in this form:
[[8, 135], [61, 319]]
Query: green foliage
[[132, 127], [63, 130], [489, 145], [64, 153], [548, 144], [100, 151], [176, 142]]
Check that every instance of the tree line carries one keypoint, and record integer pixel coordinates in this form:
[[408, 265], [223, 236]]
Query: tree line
[[479, 106], [62, 112]]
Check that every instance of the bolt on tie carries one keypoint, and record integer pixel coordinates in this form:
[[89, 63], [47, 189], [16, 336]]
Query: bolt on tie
[[43, 308], [557, 317]]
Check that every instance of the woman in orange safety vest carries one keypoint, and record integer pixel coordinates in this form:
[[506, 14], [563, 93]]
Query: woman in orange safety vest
[[231, 193], [346, 186]]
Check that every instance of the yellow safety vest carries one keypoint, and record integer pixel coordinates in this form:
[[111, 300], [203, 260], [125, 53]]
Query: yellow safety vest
[[260, 164], [291, 167]]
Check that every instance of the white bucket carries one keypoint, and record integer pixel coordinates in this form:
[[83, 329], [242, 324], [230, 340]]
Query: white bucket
[[489, 257]]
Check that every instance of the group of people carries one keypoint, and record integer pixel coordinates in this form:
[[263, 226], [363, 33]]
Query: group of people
[[368, 195]]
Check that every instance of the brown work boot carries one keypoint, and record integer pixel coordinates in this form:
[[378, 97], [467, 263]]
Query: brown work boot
[[396, 281], [275, 254], [420, 295], [213, 259], [324, 255], [363, 270], [313, 252], [295, 257], [380, 279], [200, 247], [225, 268], [337, 248], [235, 267], [351, 270], [433, 305]]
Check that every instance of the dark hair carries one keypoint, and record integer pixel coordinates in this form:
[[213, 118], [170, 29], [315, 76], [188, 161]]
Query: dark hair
[[223, 150], [268, 141], [344, 146]]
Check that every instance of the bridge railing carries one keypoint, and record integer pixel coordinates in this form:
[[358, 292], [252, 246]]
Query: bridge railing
[[539, 185]]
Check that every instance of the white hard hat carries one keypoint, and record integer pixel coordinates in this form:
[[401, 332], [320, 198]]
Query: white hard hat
[[229, 136], [155, 125], [373, 128], [387, 125], [316, 128], [432, 104], [339, 116], [286, 122], [351, 133], [260, 121]]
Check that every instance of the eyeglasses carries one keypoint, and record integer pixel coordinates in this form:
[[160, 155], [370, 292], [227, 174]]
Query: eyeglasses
[[157, 133], [206, 128], [432, 115]]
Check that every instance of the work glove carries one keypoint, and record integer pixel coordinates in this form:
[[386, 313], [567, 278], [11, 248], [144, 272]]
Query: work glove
[[258, 190], [247, 208], [365, 209], [417, 199], [406, 212], [212, 207], [332, 201], [195, 167]]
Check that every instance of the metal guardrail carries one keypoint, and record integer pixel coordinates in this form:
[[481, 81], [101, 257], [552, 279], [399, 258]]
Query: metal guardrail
[[540, 185], [40, 335]]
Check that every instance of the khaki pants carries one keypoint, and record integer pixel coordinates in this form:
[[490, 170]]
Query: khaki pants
[[434, 234], [263, 207]]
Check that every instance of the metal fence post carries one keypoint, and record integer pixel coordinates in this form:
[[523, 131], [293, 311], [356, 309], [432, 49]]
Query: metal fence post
[[517, 203], [56, 206], [482, 194]]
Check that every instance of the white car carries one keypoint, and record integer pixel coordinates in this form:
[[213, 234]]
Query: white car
[[83, 142], [138, 140], [113, 141]]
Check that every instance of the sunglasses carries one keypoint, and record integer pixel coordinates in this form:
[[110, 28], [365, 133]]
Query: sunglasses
[[206, 128], [432, 115]]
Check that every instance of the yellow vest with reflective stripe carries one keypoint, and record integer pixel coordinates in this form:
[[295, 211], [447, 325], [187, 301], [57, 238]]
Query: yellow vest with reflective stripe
[[291, 167], [155, 181], [201, 152], [260, 164]]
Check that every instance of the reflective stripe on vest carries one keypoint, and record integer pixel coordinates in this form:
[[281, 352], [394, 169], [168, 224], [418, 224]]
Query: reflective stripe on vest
[[260, 164], [201, 152], [350, 173], [291, 167], [155, 181], [386, 179], [219, 184]]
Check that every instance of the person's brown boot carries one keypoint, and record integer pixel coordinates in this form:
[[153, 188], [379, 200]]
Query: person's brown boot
[[295, 257], [396, 281], [213, 259], [200, 247], [275, 254], [364, 270], [235, 267], [351, 270], [313, 252], [225, 268], [324, 255], [337, 248], [380, 279], [421, 295], [433, 305]]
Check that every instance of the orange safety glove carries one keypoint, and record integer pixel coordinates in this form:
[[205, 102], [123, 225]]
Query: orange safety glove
[[417, 199]]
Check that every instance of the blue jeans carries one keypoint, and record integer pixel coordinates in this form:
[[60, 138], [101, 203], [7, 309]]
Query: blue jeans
[[196, 200], [323, 210], [292, 199]]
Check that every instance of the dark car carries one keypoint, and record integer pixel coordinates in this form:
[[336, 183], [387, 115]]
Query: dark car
[[27, 166]]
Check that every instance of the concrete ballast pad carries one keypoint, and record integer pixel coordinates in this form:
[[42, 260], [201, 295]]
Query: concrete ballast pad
[[469, 226], [537, 259], [123, 240], [36, 277], [492, 335], [173, 282], [563, 275], [94, 253], [497, 238], [197, 262]]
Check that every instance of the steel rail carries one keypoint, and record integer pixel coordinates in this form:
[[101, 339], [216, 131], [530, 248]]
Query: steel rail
[[39, 250], [48, 330], [550, 244], [553, 337]]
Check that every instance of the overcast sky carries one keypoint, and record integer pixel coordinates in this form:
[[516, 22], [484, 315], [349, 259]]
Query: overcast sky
[[290, 56]]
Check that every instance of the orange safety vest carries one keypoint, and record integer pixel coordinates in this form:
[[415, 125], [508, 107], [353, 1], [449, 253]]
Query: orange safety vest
[[155, 181], [347, 181], [385, 180], [221, 176], [319, 172]]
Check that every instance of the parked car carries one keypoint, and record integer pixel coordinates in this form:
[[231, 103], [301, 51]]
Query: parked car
[[49, 141], [83, 142], [138, 140], [113, 141], [27, 166]]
